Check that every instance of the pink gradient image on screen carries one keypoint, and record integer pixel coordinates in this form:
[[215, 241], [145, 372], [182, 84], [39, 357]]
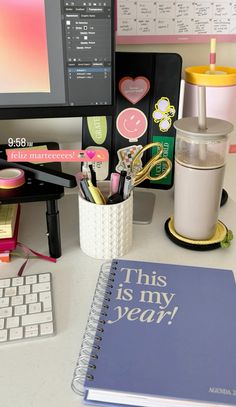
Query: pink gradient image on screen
[[23, 47]]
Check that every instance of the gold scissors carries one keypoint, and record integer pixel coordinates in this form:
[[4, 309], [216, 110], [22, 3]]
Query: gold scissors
[[145, 173]]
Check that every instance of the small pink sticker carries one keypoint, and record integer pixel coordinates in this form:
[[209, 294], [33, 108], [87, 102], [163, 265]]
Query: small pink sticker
[[131, 123], [90, 154], [134, 90]]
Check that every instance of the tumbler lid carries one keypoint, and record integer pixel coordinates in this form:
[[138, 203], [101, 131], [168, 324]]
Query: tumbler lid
[[199, 75], [216, 129]]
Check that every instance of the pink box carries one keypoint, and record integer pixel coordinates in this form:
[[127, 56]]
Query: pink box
[[11, 242]]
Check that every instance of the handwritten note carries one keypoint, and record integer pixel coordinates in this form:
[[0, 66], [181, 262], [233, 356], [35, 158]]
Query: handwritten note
[[148, 21]]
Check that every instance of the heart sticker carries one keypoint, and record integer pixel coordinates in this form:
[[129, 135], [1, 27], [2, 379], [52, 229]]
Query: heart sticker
[[134, 89], [90, 154]]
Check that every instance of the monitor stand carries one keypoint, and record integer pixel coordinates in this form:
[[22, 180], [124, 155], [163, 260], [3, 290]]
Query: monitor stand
[[143, 207]]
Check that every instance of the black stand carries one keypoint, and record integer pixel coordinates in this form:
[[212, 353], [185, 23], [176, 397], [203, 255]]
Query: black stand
[[53, 229], [224, 197], [143, 207], [41, 185]]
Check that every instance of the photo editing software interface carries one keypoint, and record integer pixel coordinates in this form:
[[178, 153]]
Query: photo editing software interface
[[55, 53]]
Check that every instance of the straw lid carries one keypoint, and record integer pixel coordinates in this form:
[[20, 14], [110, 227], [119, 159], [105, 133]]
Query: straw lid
[[215, 128], [198, 75]]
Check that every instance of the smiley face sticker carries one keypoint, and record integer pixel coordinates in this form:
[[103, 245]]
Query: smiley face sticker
[[131, 123]]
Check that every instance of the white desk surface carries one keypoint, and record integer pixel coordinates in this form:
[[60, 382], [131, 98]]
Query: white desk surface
[[38, 373]]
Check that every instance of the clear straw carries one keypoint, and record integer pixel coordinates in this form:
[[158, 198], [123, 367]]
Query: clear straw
[[213, 55], [212, 60], [202, 107], [202, 119]]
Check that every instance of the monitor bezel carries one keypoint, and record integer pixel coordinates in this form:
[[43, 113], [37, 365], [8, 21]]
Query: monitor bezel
[[38, 112]]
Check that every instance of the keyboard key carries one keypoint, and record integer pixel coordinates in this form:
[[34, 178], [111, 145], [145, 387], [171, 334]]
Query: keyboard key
[[5, 312], [31, 279], [24, 289], [46, 329], [31, 331], [3, 335], [5, 282], [30, 298], [20, 309], [4, 302], [16, 333], [44, 296], [41, 287], [34, 308], [1, 323], [17, 281], [1, 292], [18, 300], [12, 322], [10, 291], [46, 299], [36, 318], [44, 278]]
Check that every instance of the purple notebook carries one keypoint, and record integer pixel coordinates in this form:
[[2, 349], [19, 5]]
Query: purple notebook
[[166, 335]]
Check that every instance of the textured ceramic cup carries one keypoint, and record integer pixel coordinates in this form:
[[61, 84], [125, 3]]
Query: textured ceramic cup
[[106, 231]]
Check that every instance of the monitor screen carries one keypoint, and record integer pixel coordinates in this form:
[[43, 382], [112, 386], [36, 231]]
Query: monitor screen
[[56, 58]]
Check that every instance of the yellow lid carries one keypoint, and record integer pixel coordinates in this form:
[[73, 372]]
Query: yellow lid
[[199, 75]]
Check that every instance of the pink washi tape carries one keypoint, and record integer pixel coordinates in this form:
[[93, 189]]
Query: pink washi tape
[[11, 178]]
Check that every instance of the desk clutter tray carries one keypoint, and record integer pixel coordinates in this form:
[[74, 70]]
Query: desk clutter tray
[[147, 101]]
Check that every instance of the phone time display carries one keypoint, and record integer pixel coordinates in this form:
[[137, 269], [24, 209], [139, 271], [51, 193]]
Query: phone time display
[[18, 142]]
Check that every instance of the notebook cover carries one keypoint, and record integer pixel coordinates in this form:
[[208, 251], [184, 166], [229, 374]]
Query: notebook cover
[[170, 331], [10, 243]]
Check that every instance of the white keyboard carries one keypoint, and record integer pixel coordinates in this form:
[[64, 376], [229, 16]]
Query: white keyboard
[[26, 309]]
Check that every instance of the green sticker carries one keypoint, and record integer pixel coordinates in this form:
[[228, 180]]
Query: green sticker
[[168, 151], [97, 126]]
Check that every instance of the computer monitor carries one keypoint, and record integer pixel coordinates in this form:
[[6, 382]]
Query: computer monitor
[[57, 58]]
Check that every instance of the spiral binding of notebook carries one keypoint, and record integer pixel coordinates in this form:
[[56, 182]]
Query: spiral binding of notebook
[[86, 363]]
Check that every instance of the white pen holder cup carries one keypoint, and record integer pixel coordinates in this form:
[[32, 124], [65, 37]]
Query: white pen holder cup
[[106, 231]]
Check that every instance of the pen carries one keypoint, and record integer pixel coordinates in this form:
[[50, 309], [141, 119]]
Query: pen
[[85, 189], [115, 178], [114, 199], [93, 175], [121, 182], [96, 194], [127, 187]]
